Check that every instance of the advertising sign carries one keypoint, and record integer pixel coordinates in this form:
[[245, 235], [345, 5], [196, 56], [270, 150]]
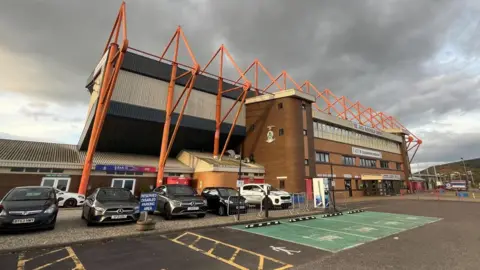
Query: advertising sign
[[366, 152], [320, 192], [148, 202], [125, 168], [367, 129]]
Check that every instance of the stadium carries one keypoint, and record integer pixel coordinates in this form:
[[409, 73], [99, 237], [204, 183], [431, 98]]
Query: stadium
[[153, 120]]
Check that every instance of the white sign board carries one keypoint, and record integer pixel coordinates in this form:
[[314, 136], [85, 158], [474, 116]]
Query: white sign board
[[391, 177], [239, 183], [366, 152], [319, 192], [367, 129]]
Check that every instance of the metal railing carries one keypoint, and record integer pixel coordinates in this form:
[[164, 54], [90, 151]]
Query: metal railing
[[254, 208]]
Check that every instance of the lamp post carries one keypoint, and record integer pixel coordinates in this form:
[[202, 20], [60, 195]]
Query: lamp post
[[332, 185], [466, 174]]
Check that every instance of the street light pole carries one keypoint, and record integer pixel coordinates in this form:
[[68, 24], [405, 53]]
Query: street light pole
[[466, 174], [333, 187]]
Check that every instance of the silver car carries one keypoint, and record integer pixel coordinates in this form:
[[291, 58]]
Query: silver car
[[110, 205]]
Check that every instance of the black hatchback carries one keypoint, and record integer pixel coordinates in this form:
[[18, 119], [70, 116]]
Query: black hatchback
[[29, 207], [224, 200]]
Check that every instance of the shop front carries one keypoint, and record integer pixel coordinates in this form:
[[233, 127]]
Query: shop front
[[381, 184]]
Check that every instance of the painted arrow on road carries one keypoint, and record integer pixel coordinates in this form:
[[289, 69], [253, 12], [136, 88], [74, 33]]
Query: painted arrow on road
[[289, 252]]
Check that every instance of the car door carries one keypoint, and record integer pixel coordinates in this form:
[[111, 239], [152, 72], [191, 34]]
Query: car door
[[247, 192], [213, 199]]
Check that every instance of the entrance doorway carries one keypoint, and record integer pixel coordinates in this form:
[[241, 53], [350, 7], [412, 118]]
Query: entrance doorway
[[348, 187], [61, 183], [124, 183]]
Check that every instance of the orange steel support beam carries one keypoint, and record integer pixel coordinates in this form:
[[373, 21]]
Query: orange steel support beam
[[167, 141], [257, 64], [223, 52], [112, 66]]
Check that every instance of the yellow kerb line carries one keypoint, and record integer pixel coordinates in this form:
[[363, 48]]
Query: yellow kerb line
[[78, 265]]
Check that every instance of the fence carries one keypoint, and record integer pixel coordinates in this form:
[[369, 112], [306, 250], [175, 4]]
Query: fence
[[446, 195], [253, 207]]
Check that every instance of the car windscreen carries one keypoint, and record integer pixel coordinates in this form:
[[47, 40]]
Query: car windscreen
[[114, 195], [226, 192], [181, 190], [29, 194], [271, 188]]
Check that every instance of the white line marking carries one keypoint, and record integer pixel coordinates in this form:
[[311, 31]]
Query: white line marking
[[283, 239], [391, 219], [358, 223], [316, 228]]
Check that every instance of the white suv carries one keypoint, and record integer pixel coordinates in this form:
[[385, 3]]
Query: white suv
[[255, 193]]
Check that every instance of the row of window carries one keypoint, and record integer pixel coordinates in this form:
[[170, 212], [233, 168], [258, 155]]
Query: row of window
[[351, 161], [326, 131]]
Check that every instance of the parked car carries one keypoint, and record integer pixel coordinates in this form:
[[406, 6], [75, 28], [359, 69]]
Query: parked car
[[69, 199], [29, 207], [224, 200], [180, 200], [110, 205], [255, 194]]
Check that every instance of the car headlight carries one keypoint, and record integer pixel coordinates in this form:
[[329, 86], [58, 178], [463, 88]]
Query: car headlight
[[99, 209], [204, 201], [81, 197], [3, 213], [176, 203], [50, 209]]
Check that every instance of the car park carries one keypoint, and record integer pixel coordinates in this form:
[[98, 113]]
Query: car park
[[69, 199], [110, 205], [224, 200], [255, 195], [180, 200], [29, 207]]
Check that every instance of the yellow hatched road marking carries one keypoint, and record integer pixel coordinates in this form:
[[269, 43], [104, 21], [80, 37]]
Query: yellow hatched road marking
[[71, 255], [230, 261]]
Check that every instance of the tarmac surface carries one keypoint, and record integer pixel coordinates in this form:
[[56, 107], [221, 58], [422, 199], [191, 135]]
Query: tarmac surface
[[450, 243]]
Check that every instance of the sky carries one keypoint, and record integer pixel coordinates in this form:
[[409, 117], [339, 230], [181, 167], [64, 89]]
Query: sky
[[415, 60]]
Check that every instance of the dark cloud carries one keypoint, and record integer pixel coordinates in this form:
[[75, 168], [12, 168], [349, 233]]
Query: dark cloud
[[448, 147], [415, 60]]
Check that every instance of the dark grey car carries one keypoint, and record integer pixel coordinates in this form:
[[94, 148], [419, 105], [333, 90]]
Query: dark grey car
[[110, 205], [180, 200]]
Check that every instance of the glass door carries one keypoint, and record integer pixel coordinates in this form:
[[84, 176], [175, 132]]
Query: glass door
[[61, 183], [124, 183]]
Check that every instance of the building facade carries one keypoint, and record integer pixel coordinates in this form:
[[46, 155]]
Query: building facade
[[295, 144]]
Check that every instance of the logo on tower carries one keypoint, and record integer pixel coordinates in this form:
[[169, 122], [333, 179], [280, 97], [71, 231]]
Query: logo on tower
[[270, 134]]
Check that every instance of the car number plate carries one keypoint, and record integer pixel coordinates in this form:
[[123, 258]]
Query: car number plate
[[241, 207], [119, 216], [193, 208], [23, 221]]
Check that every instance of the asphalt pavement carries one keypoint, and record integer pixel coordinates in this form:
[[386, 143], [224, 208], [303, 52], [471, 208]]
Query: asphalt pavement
[[451, 243]]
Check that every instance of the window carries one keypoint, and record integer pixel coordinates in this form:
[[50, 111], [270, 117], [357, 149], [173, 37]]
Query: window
[[280, 132], [306, 161], [280, 106], [399, 166], [124, 183], [372, 163], [281, 184], [305, 132], [44, 170], [384, 164], [57, 170], [31, 170], [16, 169], [349, 160], [303, 106], [322, 157], [62, 183]]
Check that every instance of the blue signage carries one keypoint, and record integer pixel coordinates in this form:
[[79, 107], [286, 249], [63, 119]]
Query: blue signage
[[125, 168], [148, 202]]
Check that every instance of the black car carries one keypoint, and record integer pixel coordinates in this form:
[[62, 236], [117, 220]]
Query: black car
[[225, 200], [110, 205], [29, 207], [180, 200]]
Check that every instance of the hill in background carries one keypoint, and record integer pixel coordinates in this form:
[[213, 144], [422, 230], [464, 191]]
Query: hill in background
[[456, 171]]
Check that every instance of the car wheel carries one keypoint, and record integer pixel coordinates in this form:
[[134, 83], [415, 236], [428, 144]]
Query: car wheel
[[222, 210], [201, 215], [70, 203], [52, 224], [168, 212]]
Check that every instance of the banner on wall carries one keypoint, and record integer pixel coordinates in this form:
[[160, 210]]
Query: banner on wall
[[320, 192]]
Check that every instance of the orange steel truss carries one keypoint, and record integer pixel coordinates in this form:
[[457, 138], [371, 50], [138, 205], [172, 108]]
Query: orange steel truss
[[326, 101], [115, 54]]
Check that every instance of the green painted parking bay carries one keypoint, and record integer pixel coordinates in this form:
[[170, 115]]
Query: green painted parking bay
[[341, 232]]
